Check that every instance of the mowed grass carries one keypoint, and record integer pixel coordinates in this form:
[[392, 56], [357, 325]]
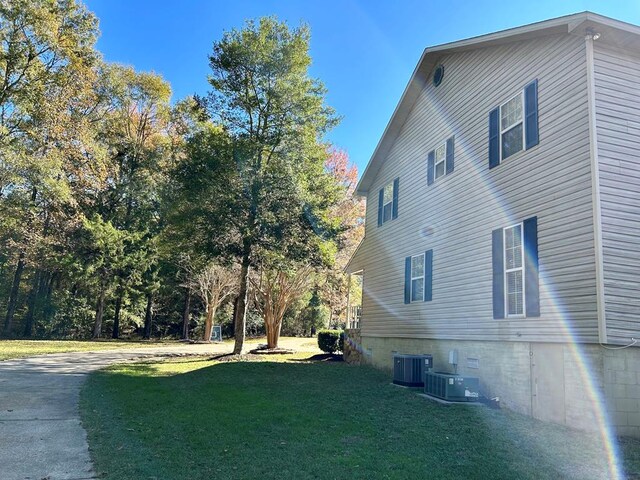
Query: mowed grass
[[298, 420], [28, 348]]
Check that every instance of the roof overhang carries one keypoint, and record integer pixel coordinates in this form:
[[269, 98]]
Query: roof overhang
[[619, 33]]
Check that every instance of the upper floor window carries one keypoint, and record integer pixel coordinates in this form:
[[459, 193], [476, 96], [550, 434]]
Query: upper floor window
[[515, 270], [441, 156], [388, 202], [513, 126], [440, 162]]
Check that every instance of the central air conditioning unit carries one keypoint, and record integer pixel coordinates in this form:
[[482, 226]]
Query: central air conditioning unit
[[408, 370], [451, 387]]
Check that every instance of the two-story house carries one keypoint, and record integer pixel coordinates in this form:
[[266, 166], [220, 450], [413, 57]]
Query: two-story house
[[503, 220]]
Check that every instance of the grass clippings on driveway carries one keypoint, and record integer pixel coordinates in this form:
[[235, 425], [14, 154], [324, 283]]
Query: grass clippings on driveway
[[323, 420]]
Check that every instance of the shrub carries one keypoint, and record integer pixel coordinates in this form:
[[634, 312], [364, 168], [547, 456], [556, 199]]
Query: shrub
[[341, 342], [329, 341]]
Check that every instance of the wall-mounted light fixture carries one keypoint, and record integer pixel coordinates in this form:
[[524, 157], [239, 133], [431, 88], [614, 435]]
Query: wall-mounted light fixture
[[592, 34]]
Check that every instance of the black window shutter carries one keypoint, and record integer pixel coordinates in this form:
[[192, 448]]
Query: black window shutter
[[450, 154], [498, 274], [494, 138], [407, 280], [428, 275], [531, 114], [431, 159], [394, 208], [380, 201], [531, 286]]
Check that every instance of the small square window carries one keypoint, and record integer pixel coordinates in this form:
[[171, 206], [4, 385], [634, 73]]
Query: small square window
[[388, 193], [511, 112]]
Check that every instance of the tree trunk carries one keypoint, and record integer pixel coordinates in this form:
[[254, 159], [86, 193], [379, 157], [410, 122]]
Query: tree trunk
[[53, 282], [13, 295], [276, 334], [233, 315], [269, 325], [116, 317], [208, 322], [240, 320], [148, 317], [185, 314], [34, 294], [273, 326], [97, 324]]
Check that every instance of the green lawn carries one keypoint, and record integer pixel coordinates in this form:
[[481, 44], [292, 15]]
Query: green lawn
[[28, 348], [200, 419]]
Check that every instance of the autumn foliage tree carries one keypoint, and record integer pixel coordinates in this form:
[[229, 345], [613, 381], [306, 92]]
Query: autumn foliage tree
[[46, 61], [105, 184], [349, 211]]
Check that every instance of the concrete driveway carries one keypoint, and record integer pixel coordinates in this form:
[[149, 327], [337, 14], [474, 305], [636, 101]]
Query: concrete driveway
[[40, 433]]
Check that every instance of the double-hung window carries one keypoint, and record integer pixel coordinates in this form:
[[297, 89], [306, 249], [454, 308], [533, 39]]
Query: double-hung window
[[418, 277], [440, 162], [514, 271], [513, 126], [388, 202], [441, 157]]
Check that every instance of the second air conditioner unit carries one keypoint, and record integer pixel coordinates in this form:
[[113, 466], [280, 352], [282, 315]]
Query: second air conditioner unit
[[451, 387]]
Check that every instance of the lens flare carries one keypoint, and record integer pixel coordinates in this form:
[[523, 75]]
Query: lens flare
[[553, 304]]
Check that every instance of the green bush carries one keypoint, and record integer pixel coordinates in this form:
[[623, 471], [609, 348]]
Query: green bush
[[341, 342], [330, 341]]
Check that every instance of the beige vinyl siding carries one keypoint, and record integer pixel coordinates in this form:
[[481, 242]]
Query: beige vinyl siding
[[617, 78], [456, 215], [355, 263]]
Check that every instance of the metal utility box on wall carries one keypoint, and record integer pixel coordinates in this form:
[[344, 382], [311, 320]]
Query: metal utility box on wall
[[408, 370], [451, 387]]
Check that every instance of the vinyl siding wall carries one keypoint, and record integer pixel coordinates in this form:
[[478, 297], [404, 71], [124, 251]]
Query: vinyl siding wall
[[455, 215], [617, 78]]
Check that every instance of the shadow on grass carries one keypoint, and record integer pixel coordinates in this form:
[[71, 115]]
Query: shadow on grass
[[321, 357], [262, 419]]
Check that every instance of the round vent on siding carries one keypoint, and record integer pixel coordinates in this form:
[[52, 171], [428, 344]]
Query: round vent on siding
[[438, 75]]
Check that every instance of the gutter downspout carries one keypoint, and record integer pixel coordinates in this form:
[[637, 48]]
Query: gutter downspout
[[590, 37]]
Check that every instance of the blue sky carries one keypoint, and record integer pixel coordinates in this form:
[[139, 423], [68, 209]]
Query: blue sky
[[363, 50]]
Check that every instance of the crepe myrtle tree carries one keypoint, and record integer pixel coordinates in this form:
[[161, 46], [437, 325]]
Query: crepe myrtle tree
[[276, 289], [214, 284]]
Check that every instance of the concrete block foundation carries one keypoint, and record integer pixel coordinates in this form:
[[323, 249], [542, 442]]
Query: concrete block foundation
[[578, 385]]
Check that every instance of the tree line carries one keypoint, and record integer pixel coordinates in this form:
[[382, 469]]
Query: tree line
[[122, 213]]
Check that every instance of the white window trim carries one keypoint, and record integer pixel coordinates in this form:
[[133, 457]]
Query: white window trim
[[502, 132], [509, 270], [417, 278], [443, 161]]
